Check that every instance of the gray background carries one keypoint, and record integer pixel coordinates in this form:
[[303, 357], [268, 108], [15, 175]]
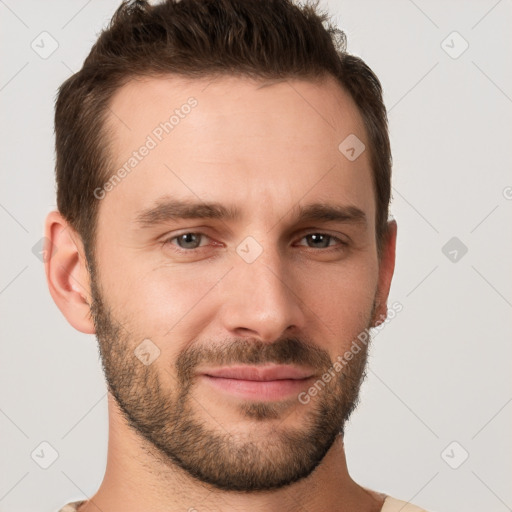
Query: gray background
[[439, 371]]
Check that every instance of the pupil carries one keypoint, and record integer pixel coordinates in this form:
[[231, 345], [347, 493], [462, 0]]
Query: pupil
[[188, 238], [320, 238]]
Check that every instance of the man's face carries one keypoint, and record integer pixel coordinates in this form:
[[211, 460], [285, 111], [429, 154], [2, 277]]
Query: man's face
[[177, 297]]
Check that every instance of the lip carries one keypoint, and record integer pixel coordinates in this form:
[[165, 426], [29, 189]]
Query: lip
[[267, 383], [260, 373]]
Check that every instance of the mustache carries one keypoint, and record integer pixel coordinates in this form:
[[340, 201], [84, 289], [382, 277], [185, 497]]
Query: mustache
[[290, 350]]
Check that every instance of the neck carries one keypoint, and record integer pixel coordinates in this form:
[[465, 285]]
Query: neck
[[136, 478]]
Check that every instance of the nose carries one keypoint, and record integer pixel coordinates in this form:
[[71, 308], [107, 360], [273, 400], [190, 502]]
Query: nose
[[260, 298]]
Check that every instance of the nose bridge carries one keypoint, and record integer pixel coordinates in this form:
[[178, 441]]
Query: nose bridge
[[259, 296]]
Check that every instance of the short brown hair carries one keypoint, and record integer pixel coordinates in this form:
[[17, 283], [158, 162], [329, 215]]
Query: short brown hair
[[261, 39]]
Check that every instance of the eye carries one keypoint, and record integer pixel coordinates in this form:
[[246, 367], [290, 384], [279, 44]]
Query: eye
[[322, 240], [188, 241]]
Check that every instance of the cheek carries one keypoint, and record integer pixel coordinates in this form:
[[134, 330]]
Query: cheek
[[163, 301], [341, 300]]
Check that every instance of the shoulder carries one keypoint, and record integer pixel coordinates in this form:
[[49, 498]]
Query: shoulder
[[394, 505], [71, 507]]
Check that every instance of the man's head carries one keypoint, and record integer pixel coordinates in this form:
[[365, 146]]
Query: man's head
[[218, 216]]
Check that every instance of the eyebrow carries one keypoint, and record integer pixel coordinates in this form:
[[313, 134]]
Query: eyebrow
[[168, 209]]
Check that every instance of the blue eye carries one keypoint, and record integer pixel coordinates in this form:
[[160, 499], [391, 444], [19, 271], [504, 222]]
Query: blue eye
[[188, 240], [322, 240], [191, 241]]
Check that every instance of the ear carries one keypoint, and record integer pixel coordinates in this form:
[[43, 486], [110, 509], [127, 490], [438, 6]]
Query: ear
[[386, 269], [67, 273]]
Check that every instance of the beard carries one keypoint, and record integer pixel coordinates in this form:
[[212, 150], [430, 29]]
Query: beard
[[166, 415]]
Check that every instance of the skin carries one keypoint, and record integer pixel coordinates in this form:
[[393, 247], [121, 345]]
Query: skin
[[175, 441]]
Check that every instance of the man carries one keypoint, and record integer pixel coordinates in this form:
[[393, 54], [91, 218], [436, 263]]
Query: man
[[223, 181]]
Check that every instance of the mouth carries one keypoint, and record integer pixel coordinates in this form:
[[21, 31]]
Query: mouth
[[267, 383]]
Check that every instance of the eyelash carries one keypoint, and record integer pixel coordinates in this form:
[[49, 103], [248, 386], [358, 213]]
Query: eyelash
[[341, 244]]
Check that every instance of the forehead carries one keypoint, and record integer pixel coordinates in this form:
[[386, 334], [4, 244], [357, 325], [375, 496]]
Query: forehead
[[227, 102], [265, 145]]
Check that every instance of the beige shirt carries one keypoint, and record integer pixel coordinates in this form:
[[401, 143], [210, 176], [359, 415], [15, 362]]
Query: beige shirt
[[390, 505]]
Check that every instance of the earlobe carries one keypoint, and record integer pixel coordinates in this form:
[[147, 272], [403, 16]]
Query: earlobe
[[66, 272], [386, 270]]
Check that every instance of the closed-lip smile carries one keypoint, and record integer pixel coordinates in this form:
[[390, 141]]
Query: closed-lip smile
[[262, 383], [259, 373]]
